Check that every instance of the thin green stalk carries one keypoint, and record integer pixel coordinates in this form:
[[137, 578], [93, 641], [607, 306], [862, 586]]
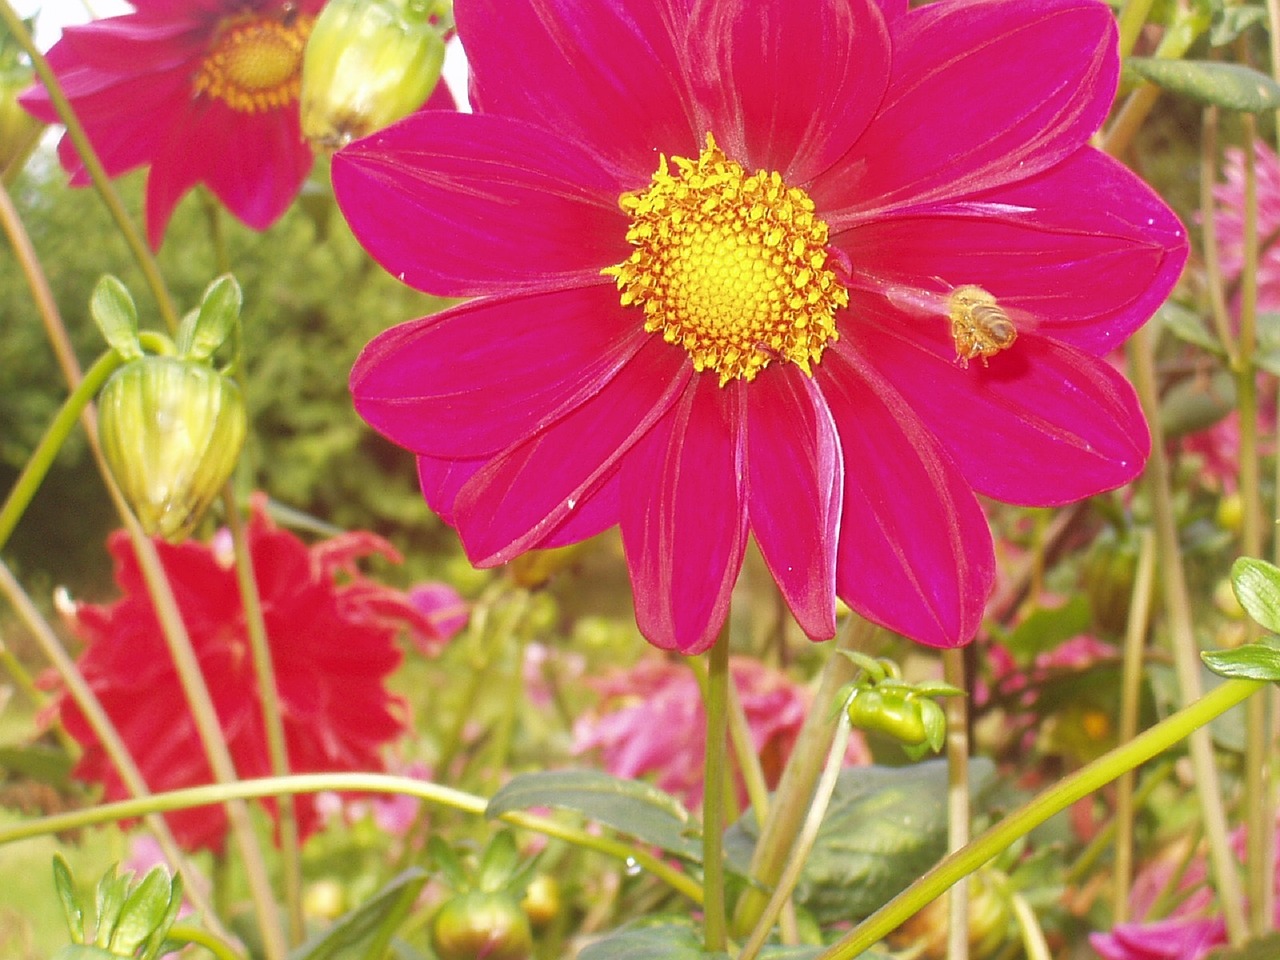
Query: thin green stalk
[[957, 709], [1133, 112], [93, 166], [791, 799], [1130, 696], [804, 843], [377, 783], [272, 720], [1177, 603], [1215, 283], [105, 731], [46, 451], [221, 950], [212, 739], [1026, 818], [715, 927], [1133, 17], [1033, 941]]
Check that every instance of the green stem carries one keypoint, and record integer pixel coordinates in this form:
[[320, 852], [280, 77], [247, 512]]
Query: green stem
[[1215, 283], [804, 841], [715, 928], [1022, 821], [378, 783], [183, 934], [957, 709], [1133, 17], [1177, 603], [744, 751], [1131, 115], [46, 451], [272, 720], [791, 799], [93, 166]]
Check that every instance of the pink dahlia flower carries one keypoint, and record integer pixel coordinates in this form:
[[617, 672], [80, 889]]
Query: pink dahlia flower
[[1229, 220], [332, 636], [811, 272], [203, 91]]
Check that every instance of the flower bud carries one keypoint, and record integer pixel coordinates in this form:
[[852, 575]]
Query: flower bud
[[133, 919], [368, 63], [482, 925], [19, 130], [171, 431]]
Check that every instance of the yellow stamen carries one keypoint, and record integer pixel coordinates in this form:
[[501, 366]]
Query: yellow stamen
[[255, 62], [730, 265]]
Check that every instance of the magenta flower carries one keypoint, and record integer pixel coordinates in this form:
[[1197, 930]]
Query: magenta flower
[[202, 91], [1229, 219], [812, 272]]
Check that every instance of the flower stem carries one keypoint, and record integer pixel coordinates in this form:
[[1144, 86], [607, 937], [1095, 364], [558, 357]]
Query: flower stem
[[1026, 818], [791, 800], [957, 709], [107, 735], [715, 934], [93, 166], [183, 934], [1133, 17], [272, 721], [1177, 604], [804, 840], [378, 783]]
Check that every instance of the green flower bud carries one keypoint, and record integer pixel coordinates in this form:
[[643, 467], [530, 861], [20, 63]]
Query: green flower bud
[[19, 130], [133, 919], [481, 925], [368, 63], [171, 431]]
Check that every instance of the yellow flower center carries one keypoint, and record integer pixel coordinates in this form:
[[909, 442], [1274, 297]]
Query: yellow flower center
[[730, 265], [255, 62]]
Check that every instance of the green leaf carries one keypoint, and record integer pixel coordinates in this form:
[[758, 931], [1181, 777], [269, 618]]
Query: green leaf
[[365, 932], [1257, 587], [637, 809], [113, 310], [1188, 326], [499, 863], [111, 893], [659, 942], [1195, 403], [144, 910], [218, 314], [885, 827], [1253, 661], [1048, 627], [83, 951], [66, 887], [1229, 85], [1230, 22], [37, 762]]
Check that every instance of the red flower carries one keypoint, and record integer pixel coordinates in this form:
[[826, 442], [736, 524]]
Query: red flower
[[815, 272], [332, 644], [204, 91]]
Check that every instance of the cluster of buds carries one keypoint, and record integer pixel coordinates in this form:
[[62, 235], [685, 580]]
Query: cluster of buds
[[879, 700], [171, 425], [368, 63], [133, 919], [19, 130]]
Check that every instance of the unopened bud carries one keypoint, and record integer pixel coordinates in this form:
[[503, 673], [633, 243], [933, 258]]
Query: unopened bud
[[368, 63], [171, 431], [19, 130]]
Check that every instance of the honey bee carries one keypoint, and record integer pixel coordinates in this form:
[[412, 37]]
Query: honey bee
[[979, 325]]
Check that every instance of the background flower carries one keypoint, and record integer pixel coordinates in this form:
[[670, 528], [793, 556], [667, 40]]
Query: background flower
[[202, 91], [1229, 220], [816, 383], [332, 642]]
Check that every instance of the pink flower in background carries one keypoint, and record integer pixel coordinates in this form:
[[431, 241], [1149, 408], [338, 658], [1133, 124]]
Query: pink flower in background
[[331, 633], [651, 721], [1229, 219], [202, 91], [814, 273]]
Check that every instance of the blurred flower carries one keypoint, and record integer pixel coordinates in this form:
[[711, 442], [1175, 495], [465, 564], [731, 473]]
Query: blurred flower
[[332, 637], [813, 291], [1229, 219], [651, 720], [444, 609], [203, 91]]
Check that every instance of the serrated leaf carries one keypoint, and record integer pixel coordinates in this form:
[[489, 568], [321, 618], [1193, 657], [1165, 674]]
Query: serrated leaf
[[113, 310], [637, 809], [1230, 22], [66, 887], [1253, 661], [885, 827], [1188, 326], [1229, 85], [363, 933], [1257, 586], [1048, 627]]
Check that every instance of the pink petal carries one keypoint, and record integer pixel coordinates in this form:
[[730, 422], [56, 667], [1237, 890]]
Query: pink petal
[[482, 376], [684, 519], [593, 516], [464, 205], [442, 480], [605, 74], [1044, 424], [983, 92], [135, 44], [915, 549], [1040, 247], [526, 493], [790, 86], [795, 482]]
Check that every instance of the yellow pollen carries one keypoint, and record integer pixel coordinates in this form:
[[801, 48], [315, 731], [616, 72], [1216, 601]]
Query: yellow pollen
[[255, 62], [730, 265]]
